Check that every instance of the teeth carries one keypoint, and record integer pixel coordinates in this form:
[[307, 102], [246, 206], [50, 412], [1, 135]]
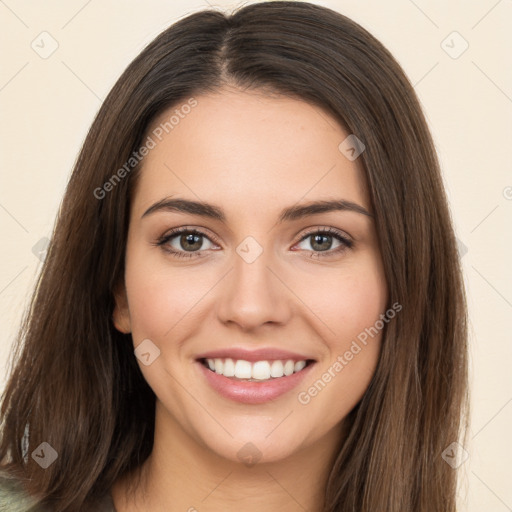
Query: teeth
[[261, 370], [229, 368], [242, 369], [299, 365], [288, 368], [258, 371], [276, 370]]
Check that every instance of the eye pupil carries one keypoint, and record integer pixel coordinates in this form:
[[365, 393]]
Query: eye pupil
[[318, 238], [190, 239]]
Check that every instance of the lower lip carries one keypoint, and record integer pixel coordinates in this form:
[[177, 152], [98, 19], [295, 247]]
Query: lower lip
[[250, 392]]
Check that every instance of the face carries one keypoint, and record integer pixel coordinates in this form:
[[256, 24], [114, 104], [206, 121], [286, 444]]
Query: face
[[241, 281]]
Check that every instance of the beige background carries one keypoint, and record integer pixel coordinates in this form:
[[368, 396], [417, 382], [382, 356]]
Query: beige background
[[47, 105]]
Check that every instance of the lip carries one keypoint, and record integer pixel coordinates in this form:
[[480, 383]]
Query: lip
[[249, 392], [261, 354]]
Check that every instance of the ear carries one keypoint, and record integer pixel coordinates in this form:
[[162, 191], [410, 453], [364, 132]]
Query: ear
[[121, 314]]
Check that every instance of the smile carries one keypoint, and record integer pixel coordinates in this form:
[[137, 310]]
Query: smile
[[255, 371], [255, 382]]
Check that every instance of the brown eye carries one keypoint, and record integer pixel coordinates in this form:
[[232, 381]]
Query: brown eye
[[322, 240], [184, 242]]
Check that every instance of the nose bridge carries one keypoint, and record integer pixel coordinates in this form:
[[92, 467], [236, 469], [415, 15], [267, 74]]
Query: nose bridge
[[252, 294]]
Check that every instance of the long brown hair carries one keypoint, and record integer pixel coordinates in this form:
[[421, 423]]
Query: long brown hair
[[74, 381]]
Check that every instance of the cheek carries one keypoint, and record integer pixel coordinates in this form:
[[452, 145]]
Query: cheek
[[361, 303], [158, 297], [347, 301], [351, 310]]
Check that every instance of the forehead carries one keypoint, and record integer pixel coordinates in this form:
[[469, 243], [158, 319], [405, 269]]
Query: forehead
[[233, 147]]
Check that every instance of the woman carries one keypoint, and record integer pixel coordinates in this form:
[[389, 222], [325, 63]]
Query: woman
[[252, 296]]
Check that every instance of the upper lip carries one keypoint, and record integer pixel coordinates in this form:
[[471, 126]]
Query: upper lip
[[260, 354]]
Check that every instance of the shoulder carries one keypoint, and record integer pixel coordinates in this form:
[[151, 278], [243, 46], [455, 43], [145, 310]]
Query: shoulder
[[13, 497]]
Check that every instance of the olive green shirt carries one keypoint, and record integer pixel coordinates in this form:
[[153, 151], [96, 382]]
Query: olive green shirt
[[14, 499]]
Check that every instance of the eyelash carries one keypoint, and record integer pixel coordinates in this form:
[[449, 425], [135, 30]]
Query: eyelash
[[162, 241]]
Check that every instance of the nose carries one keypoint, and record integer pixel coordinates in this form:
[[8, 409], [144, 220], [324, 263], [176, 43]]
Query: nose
[[254, 294]]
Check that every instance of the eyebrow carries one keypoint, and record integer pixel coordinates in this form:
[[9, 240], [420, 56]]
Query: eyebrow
[[287, 214]]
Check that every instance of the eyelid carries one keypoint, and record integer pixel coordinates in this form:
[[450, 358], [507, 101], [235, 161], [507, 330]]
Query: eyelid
[[189, 229], [208, 234], [328, 230]]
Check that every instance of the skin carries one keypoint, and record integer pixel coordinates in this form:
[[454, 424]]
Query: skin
[[252, 155]]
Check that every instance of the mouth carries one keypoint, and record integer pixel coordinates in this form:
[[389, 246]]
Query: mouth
[[255, 371], [253, 382]]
